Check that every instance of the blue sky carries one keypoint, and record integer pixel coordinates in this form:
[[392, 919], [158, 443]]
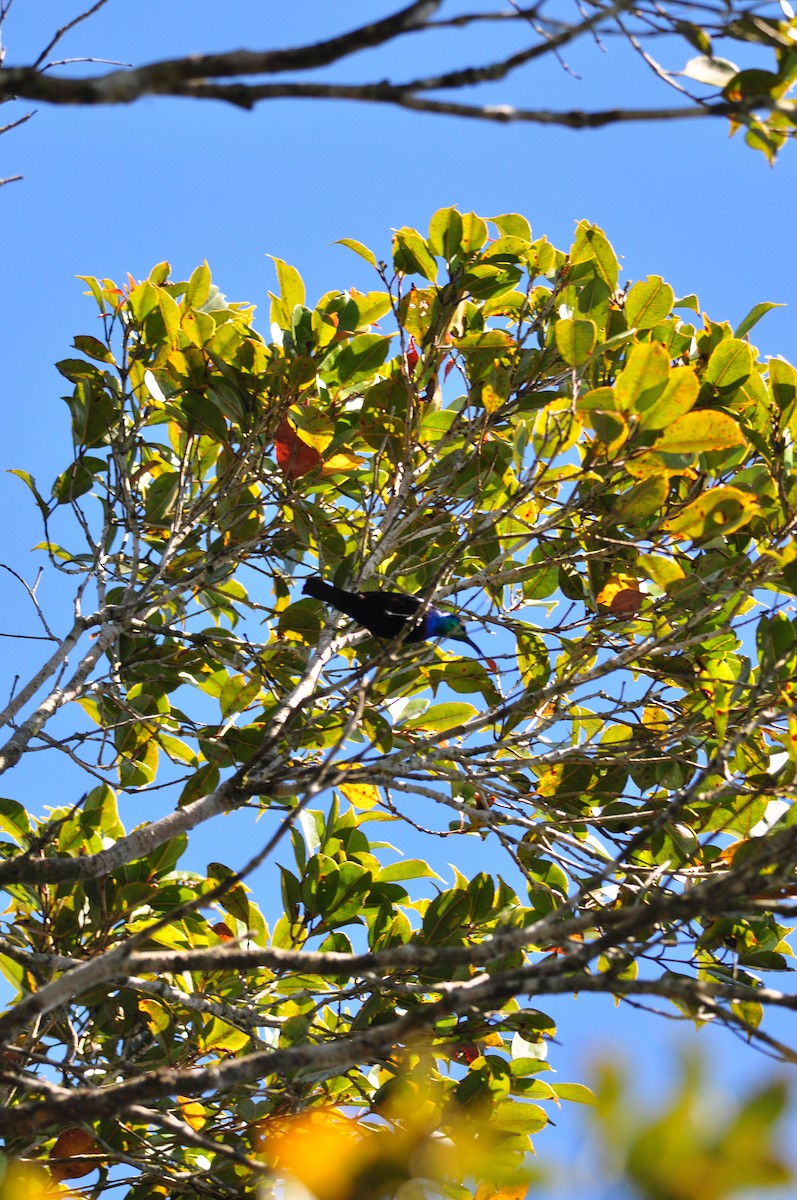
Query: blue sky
[[109, 191]]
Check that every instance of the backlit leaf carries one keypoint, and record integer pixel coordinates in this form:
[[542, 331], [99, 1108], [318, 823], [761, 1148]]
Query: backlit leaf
[[719, 511]]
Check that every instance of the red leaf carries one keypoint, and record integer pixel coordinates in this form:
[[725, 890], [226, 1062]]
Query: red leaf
[[627, 602], [295, 457], [468, 1052]]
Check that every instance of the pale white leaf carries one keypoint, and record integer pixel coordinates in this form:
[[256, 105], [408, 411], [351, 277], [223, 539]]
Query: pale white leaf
[[714, 71]]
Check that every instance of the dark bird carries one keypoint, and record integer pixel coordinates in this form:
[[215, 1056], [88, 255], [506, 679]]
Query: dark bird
[[387, 614]]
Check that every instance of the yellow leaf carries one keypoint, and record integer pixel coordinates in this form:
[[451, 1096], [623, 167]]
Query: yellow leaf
[[25, 1182], [315, 428], [697, 432], [319, 1149], [341, 462], [721, 510], [655, 719], [645, 465], [157, 1016], [221, 1036], [361, 795], [192, 1112], [491, 399], [526, 512]]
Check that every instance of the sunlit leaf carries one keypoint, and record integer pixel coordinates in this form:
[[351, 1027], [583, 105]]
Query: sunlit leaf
[[721, 510]]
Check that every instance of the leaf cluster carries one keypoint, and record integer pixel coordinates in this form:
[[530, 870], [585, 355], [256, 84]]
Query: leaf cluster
[[603, 477]]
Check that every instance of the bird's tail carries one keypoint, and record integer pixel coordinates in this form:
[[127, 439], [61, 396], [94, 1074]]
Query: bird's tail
[[349, 603], [319, 589], [345, 602]]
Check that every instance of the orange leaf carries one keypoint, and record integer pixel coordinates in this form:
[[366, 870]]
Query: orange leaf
[[486, 1191], [73, 1144]]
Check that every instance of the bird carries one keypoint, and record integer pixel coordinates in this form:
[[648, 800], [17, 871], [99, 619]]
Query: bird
[[388, 614]]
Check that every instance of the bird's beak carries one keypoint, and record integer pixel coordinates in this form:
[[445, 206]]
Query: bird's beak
[[473, 644]]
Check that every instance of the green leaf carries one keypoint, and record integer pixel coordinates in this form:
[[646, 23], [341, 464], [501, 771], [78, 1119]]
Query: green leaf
[[577, 1093], [533, 659], [237, 694], [520, 1118], [752, 83], [356, 359], [592, 246], [358, 248], [94, 348], [161, 497], [446, 917], [474, 232], [445, 234], [14, 972], [411, 255], [290, 283], [754, 316], [513, 225], [160, 273], [28, 479], [170, 312], [642, 501], [547, 874], [748, 1011], [643, 378], [408, 868], [442, 716], [783, 385], [198, 288], [234, 900], [14, 819], [679, 395], [730, 363], [648, 302], [78, 479], [575, 340], [663, 571]]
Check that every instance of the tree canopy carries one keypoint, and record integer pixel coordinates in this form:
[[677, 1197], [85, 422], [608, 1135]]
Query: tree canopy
[[477, 57], [599, 475]]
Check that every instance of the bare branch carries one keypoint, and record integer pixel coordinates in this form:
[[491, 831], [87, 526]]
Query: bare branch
[[212, 76], [66, 28]]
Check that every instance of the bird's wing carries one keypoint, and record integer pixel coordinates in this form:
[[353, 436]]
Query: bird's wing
[[397, 604]]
